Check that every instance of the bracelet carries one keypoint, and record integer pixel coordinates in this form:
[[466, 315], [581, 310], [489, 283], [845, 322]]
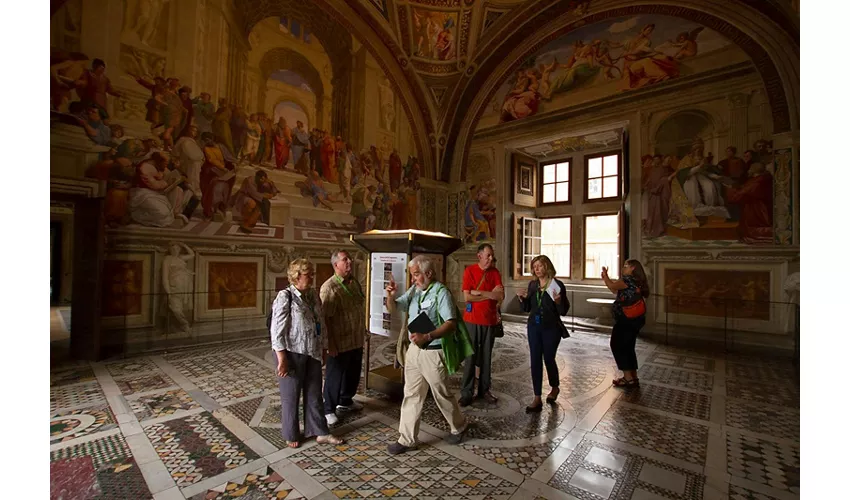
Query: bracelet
[[429, 337]]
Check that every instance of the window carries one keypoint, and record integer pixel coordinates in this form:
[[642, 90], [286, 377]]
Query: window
[[532, 243], [555, 182], [603, 176], [601, 245], [556, 243]]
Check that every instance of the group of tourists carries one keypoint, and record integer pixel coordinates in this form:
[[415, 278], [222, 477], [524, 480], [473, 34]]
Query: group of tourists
[[310, 328]]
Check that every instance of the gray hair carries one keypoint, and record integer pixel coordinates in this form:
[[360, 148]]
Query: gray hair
[[424, 264], [335, 256]]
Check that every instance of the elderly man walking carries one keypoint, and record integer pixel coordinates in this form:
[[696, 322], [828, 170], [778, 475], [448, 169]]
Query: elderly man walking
[[343, 305], [431, 356]]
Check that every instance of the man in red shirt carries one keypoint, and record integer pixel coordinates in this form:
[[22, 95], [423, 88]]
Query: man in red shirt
[[482, 291]]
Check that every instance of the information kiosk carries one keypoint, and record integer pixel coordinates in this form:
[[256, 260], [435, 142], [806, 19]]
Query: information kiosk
[[389, 252]]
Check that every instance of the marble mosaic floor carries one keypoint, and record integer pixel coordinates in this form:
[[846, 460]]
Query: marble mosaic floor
[[204, 424]]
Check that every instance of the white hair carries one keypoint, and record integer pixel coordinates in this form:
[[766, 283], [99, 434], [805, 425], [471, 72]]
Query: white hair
[[425, 265], [335, 257]]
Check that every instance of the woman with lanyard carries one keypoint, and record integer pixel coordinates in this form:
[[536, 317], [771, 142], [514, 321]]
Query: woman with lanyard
[[299, 339], [545, 301]]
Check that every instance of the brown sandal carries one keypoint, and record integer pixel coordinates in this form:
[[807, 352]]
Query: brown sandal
[[624, 382], [293, 444]]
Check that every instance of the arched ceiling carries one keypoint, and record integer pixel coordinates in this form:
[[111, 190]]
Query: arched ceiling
[[282, 58], [444, 96]]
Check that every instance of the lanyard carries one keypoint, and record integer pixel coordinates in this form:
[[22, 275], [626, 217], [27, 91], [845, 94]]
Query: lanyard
[[339, 280], [540, 293], [422, 297]]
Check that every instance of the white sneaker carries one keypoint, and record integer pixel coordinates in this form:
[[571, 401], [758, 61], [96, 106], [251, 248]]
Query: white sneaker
[[354, 406], [332, 418]]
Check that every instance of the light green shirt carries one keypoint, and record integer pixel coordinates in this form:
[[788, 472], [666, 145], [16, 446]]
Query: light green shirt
[[436, 302]]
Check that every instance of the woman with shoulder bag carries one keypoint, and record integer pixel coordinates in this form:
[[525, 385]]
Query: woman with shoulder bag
[[629, 317], [545, 301]]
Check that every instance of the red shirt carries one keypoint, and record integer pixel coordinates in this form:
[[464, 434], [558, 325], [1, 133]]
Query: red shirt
[[484, 312]]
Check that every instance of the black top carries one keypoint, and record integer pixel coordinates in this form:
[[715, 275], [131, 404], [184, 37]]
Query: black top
[[548, 310], [626, 297]]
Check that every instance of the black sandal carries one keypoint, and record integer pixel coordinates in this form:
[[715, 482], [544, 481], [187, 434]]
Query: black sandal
[[534, 409], [553, 399], [624, 382]]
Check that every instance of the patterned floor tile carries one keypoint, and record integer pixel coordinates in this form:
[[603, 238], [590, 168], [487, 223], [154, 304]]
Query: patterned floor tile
[[504, 421], [757, 417], [261, 484], [595, 471], [216, 364], [741, 493], [681, 361], [72, 424], [73, 375], [87, 394], [226, 388], [131, 367], [144, 383], [763, 373], [160, 405], [776, 394], [580, 379], [688, 404], [103, 468], [197, 447], [363, 468], [670, 436], [245, 410], [524, 459], [582, 408], [773, 464], [680, 378], [225, 348]]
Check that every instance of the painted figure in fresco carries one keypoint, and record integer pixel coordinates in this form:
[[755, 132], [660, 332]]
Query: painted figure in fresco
[[314, 187], [444, 46], [362, 202], [755, 199], [344, 169], [644, 65], [268, 157], [177, 282], [328, 158], [156, 102], [173, 112], [523, 100], [395, 170], [300, 148], [191, 158], [252, 201], [98, 131], [703, 188], [282, 143], [580, 68], [253, 133], [221, 125], [477, 226], [185, 94], [238, 129], [154, 201], [142, 18], [681, 211], [685, 45], [656, 188], [66, 74], [217, 179], [93, 87], [204, 112]]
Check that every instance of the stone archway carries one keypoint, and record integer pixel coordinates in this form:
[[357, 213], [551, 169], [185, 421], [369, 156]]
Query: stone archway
[[288, 59], [526, 35]]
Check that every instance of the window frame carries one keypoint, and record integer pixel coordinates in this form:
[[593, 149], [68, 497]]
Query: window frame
[[619, 154], [569, 181], [572, 244], [620, 256]]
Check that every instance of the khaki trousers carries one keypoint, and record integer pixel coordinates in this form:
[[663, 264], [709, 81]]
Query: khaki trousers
[[424, 369]]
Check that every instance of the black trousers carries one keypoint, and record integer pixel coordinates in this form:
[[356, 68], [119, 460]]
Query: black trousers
[[543, 346], [623, 338], [482, 339], [342, 375]]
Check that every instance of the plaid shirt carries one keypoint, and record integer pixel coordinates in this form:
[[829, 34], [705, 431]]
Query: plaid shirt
[[345, 314]]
